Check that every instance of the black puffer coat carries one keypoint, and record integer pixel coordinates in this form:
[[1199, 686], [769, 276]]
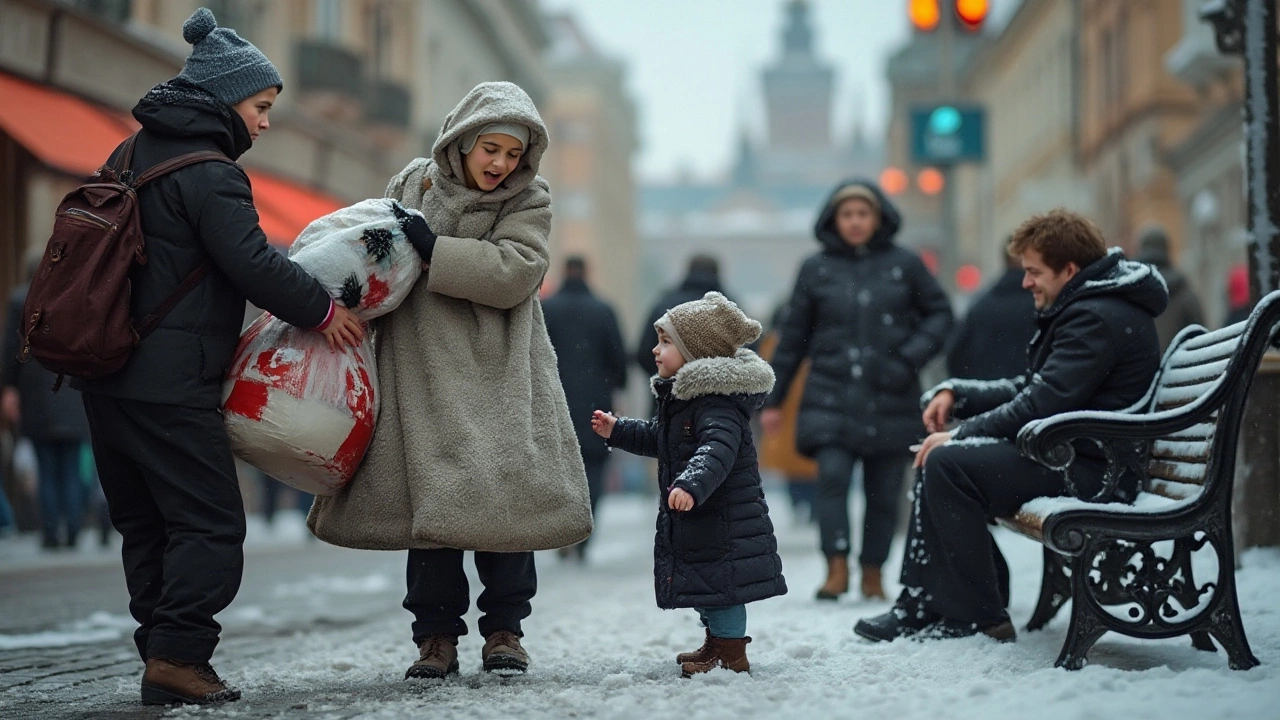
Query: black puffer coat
[[991, 342], [45, 415], [723, 551], [201, 211], [869, 318], [1096, 349]]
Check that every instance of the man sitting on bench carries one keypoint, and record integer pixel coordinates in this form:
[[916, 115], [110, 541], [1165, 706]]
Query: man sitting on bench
[[1096, 349]]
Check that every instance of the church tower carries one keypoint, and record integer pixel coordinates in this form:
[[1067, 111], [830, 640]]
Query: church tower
[[798, 89]]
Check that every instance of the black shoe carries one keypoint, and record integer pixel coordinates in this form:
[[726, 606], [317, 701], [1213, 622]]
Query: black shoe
[[901, 621], [946, 628]]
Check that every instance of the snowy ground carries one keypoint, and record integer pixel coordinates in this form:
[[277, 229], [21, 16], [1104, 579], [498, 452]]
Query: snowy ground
[[318, 633]]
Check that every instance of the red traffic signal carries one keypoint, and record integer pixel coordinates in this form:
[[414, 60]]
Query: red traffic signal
[[972, 13], [924, 14]]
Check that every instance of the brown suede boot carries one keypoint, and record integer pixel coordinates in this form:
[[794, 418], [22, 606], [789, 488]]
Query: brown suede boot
[[168, 682], [503, 653], [837, 582], [727, 653], [872, 588], [700, 655], [437, 657]]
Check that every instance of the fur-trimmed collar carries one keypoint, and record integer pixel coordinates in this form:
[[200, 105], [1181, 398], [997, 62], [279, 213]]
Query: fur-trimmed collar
[[742, 374]]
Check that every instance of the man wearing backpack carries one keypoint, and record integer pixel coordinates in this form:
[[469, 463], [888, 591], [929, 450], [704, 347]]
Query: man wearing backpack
[[162, 453]]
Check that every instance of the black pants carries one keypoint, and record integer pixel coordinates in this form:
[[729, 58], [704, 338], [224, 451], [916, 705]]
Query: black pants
[[952, 565], [170, 483], [438, 594], [882, 485]]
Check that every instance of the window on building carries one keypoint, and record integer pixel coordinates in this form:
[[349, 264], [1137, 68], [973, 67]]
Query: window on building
[[381, 37], [115, 10], [243, 16], [328, 19]]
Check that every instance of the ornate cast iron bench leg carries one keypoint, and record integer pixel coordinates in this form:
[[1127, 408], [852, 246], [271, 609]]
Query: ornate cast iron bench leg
[[1085, 628], [1224, 624], [1055, 589]]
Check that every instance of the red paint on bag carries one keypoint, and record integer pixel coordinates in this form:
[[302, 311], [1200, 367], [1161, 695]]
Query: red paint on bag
[[250, 336], [247, 399], [379, 291], [360, 403]]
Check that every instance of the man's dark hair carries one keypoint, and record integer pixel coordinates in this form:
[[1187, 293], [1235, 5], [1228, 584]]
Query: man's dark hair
[[1061, 237], [575, 266], [704, 264]]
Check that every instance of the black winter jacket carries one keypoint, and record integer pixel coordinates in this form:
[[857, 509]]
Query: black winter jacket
[[1096, 349], [991, 342], [722, 552], [201, 211], [869, 318], [589, 356], [46, 415]]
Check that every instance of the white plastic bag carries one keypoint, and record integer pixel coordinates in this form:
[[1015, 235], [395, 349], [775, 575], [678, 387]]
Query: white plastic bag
[[296, 410]]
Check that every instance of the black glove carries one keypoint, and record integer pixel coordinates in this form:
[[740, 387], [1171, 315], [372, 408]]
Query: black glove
[[416, 229]]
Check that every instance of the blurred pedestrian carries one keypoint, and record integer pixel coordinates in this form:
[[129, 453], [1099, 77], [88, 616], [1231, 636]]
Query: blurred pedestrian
[[1184, 305], [592, 365], [162, 451], [54, 422], [715, 550], [702, 277], [1238, 298], [7, 525], [475, 449], [273, 491], [991, 342], [868, 315], [778, 450]]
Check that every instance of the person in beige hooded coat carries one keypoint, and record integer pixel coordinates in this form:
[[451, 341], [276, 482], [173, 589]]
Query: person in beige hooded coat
[[474, 448]]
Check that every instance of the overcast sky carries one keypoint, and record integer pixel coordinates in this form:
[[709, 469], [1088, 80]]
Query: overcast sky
[[694, 68]]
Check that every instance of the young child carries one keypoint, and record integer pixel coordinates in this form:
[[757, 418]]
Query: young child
[[714, 550]]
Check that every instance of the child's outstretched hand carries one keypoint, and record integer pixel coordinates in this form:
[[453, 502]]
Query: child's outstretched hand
[[603, 422], [679, 500]]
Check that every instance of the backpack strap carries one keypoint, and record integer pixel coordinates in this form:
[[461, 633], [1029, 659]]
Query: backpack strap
[[150, 322], [178, 163]]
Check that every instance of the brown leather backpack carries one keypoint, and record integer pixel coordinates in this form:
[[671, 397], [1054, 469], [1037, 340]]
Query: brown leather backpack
[[77, 319]]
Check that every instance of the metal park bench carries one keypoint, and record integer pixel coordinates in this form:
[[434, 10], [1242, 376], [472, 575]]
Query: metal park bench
[[1163, 566]]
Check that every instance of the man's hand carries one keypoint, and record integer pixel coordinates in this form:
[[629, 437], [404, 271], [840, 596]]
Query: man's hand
[[771, 421], [9, 405], [344, 328], [603, 422], [931, 442], [938, 413], [679, 500]]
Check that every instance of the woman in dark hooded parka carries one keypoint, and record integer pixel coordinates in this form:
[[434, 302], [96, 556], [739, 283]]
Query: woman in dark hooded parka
[[868, 315]]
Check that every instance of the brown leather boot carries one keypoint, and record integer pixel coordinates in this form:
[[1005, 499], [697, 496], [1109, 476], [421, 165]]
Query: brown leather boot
[[872, 587], [837, 582], [503, 653], [700, 655], [437, 657], [168, 682], [727, 653]]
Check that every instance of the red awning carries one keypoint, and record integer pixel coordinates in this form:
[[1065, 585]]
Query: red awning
[[75, 136]]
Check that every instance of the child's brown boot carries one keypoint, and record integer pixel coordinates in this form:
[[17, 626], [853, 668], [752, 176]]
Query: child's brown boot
[[837, 582], [872, 587], [727, 653], [700, 655]]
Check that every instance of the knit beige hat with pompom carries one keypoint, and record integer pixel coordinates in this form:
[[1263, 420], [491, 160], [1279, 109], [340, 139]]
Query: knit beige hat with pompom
[[711, 327]]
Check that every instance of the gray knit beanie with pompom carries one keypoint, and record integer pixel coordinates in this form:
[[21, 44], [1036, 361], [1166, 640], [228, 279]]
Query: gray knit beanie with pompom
[[713, 326], [222, 62]]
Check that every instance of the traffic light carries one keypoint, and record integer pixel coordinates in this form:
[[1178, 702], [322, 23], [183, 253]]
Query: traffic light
[[972, 13], [966, 14], [924, 14]]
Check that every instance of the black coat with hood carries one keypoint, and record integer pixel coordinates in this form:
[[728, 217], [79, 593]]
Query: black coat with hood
[[1096, 349], [869, 318], [991, 342], [722, 552], [202, 211]]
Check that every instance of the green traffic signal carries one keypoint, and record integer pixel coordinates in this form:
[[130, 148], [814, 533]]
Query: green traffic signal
[[944, 120]]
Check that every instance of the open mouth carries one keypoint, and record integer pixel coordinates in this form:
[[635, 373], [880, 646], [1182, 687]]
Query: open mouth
[[492, 178]]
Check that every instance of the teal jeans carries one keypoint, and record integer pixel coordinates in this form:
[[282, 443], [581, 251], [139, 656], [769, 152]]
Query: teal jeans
[[725, 622]]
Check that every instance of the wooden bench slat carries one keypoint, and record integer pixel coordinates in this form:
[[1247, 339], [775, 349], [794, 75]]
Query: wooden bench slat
[[1181, 450], [1192, 473], [1193, 374]]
